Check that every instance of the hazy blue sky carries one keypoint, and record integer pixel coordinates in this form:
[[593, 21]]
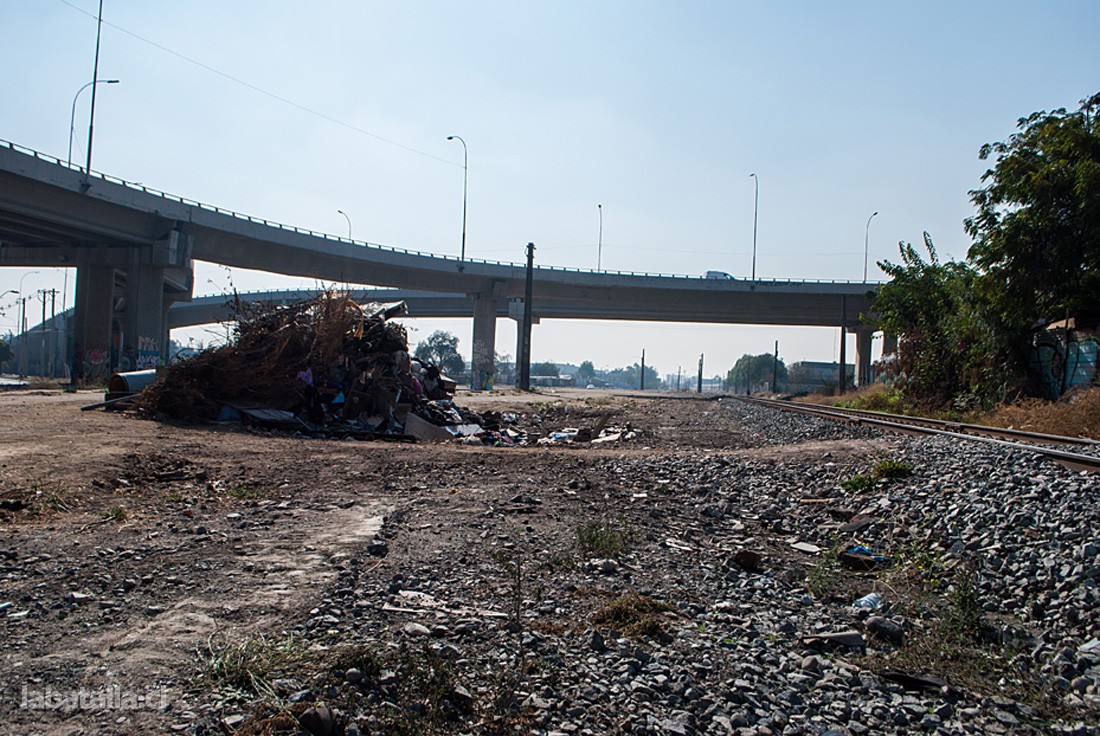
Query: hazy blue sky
[[657, 111]]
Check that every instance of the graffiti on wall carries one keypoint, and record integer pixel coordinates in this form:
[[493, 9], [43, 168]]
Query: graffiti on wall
[[148, 353], [94, 365]]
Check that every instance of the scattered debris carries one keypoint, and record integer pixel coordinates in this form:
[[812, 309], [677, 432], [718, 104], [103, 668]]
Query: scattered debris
[[852, 639], [869, 602], [858, 557], [915, 682], [328, 367]]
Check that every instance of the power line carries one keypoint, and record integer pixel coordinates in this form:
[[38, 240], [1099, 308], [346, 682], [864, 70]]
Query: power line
[[263, 91]]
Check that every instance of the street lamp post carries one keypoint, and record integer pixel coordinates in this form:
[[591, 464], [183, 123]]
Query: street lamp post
[[755, 213], [599, 248], [91, 114], [72, 115], [866, 242], [345, 214], [22, 327], [465, 190]]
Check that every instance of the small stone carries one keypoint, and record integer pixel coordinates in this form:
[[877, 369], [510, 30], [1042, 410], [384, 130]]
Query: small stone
[[462, 699], [884, 628], [353, 676], [318, 721], [747, 560], [415, 629], [302, 696], [378, 548]]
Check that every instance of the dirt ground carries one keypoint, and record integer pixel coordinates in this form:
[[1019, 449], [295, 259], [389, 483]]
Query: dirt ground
[[128, 543]]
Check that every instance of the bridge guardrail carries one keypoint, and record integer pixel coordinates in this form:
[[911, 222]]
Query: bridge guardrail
[[390, 248]]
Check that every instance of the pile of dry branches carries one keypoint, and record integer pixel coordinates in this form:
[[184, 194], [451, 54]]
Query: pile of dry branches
[[279, 356]]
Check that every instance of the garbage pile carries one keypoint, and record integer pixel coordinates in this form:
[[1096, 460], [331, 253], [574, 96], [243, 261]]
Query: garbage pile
[[322, 366], [328, 367]]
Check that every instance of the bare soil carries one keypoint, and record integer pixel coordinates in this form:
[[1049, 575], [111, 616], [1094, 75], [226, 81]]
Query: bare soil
[[128, 543]]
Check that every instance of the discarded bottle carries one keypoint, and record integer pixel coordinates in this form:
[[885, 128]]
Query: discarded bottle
[[869, 602]]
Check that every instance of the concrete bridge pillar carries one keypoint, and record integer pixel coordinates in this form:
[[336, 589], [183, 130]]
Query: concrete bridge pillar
[[144, 326], [863, 356], [889, 344], [483, 359], [93, 311]]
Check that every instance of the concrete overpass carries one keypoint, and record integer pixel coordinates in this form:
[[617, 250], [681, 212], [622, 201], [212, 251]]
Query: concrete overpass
[[133, 248]]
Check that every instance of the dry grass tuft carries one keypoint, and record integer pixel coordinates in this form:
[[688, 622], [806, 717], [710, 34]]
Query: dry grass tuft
[[1075, 415]]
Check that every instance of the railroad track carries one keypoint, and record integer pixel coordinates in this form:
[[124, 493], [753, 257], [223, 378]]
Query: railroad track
[[1016, 439]]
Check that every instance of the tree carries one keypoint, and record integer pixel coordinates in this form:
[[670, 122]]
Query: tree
[[752, 370], [544, 369], [586, 372], [1037, 230], [949, 344], [629, 377], [6, 352], [441, 350]]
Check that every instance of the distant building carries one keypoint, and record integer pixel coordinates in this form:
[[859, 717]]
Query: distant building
[[810, 375], [553, 381]]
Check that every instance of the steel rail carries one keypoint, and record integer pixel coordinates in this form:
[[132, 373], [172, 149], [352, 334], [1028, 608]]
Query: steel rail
[[914, 425]]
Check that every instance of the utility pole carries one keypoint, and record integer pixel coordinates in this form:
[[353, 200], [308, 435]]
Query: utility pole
[[641, 382], [700, 389], [843, 359], [23, 335], [679, 372], [42, 335], [53, 331], [775, 369], [525, 340]]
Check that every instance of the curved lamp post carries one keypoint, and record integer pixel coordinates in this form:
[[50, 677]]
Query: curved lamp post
[[22, 327], [755, 213], [866, 241], [345, 214], [72, 115], [465, 189]]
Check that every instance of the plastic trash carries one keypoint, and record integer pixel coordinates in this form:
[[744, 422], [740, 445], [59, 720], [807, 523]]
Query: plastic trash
[[869, 602]]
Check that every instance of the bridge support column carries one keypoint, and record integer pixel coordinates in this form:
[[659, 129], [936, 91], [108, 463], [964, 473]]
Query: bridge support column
[[92, 315], [483, 359], [863, 356], [144, 327], [889, 344]]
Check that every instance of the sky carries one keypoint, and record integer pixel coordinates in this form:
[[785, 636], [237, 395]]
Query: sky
[[658, 111]]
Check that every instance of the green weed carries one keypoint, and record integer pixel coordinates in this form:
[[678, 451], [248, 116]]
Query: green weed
[[244, 493], [602, 539], [858, 483], [115, 513], [890, 468]]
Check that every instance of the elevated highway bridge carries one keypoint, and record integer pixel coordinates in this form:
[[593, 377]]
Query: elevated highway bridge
[[134, 249]]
